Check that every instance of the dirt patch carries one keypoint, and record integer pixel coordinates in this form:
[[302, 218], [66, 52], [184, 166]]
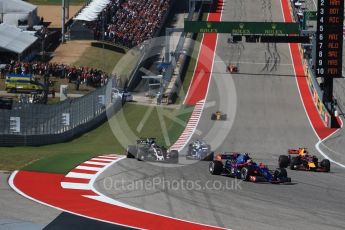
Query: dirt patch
[[52, 14], [70, 52]]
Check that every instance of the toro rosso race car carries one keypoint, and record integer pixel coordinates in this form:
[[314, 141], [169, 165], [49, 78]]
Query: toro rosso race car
[[218, 116], [147, 150], [241, 166], [300, 159], [199, 150]]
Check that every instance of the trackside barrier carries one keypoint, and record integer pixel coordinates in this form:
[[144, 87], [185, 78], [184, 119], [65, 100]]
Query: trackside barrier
[[315, 92], [35, 124], [313, 85]]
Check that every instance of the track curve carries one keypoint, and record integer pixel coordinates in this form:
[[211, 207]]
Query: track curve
[[269, 119]]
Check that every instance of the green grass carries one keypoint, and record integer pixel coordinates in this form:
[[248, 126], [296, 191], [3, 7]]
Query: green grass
[[59, 163], [44, 158], [99, 58], [61, 158], [56, 2], [153, 127]]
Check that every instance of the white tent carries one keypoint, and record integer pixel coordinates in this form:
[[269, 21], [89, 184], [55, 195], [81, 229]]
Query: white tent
[[11, 11], [14, 39], [91, 11]]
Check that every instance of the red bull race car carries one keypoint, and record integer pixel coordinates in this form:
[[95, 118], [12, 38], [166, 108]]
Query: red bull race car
[[300, 159], [241, 166]]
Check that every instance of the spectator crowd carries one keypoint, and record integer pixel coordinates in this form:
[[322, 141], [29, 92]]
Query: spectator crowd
[[79, 75], [130, 22]]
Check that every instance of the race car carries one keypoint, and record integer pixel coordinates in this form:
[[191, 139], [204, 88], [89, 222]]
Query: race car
[[231, 68], [199, 150], [218, 116], [242, 166], [148, 150], [303, 161]]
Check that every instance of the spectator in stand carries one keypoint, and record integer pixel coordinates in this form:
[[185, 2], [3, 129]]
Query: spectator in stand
[[130, 22]]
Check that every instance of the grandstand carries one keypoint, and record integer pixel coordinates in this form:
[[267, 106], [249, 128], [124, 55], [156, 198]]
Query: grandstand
[[124, 22]]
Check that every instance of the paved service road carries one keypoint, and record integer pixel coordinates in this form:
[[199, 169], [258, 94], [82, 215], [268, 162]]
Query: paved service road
[[268, 119]]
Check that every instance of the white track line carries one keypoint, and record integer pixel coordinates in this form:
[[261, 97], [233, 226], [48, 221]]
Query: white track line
[[71, 185], [80, 175], [95, 163], [88, 168], [317, 146], [107, 158], [101, 159]]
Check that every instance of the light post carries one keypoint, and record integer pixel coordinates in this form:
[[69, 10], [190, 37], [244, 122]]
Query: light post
[[63, 21]]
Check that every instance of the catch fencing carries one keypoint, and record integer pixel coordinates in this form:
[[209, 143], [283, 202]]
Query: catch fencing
[[37, 124]]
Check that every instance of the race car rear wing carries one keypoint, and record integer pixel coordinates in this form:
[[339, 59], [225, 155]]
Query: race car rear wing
[[227, 155], [297, 151]]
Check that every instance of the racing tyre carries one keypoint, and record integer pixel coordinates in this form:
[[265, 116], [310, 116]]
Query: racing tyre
[[326, 164], [280, 173], [140, 155], [223, 117], [213, 117], [283, 161], [131, 151], [216, 167], [190, 149], [245, 174], [294, 162], [174, 156]]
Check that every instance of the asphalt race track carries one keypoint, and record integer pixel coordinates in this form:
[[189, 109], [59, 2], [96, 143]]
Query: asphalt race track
[[269, 118], [19, 213]]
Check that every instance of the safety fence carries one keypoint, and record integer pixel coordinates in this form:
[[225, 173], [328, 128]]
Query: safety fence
[[35, 124]]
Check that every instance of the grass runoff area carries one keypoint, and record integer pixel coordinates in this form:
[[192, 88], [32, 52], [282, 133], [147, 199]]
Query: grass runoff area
[[61, 158], [56, 2]]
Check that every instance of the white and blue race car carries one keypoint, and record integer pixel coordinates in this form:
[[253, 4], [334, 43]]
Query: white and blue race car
[[199, 150]]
